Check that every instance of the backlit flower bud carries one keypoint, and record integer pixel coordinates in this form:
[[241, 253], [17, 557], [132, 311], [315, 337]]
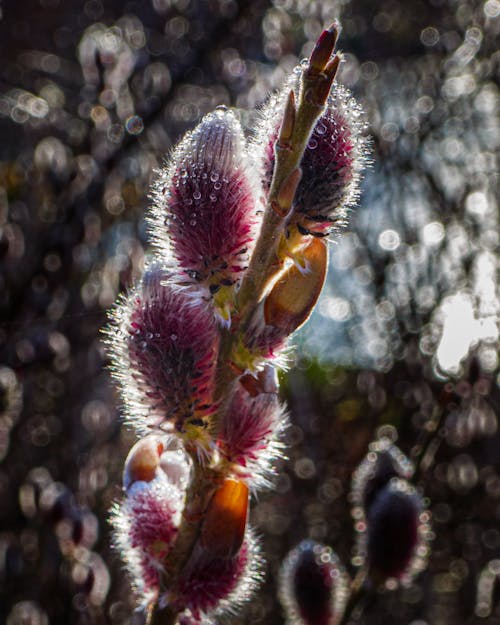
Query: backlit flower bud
[[396, 533], [206, 203], [225, 519], [331, 165], [163, 344], [212, 585], [249, 434], [314, 586], [383, 462]]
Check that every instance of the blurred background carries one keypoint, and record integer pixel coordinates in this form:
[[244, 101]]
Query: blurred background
[[405, 337]]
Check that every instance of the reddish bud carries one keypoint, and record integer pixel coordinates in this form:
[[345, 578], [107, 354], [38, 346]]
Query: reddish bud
[[332, 161], [313, 585], [225, 519], [147, 520], [323, 49], [163, 345]]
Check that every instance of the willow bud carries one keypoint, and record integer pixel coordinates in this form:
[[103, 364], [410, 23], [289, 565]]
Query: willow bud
[[314, 586], [163, 344], [207, 198]]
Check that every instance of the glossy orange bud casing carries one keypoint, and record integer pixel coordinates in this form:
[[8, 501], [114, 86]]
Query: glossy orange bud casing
[[223, 528], [295, 294]]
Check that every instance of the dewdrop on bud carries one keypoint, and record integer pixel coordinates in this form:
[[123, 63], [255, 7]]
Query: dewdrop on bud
[[225, 519], [163, 344], [205, 206], [250, 430], [383, 462], [212, 585], [314, 586], [397, 529]]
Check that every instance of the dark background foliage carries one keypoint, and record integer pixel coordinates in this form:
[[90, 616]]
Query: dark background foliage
[[92, 95]]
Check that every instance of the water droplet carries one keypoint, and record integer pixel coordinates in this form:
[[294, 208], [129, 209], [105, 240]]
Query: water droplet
[[196, 195], [321, 129], [213, 197], [313, 144], [214, 177], [217, 186], [173, 337], [183, 173], [192, 222]]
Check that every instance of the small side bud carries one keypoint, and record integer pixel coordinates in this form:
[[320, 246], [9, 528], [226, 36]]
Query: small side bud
[[287, 124], [287, 191], [319, 91], [142, 461], [314, 586], [294, 296], [225, 519], [323, 49]]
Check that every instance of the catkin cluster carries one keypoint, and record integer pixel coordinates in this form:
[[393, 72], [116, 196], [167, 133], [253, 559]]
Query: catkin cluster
[[194, 349]]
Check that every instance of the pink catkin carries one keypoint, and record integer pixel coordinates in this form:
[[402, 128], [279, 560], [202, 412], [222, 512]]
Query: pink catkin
[[331, 163], [172, 346], [208, 201], [146, 525], [327, 171], [211, 584], [152, 526], [249, 434]]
